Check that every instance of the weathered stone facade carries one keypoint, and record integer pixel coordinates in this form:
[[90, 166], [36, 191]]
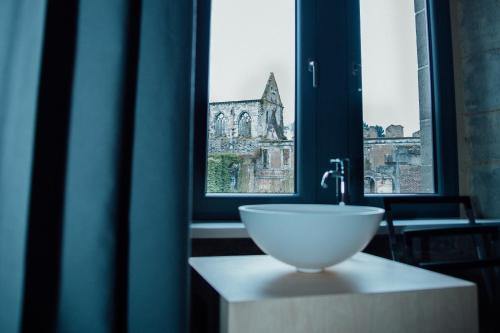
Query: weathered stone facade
[[392, 164], [394, 131], [252, 131], [370, 132]]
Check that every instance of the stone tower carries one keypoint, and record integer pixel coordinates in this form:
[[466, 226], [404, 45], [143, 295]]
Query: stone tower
[[273, 110]]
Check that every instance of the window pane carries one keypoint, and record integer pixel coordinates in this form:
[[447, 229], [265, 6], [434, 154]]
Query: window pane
[[397, 111], [251, 120]]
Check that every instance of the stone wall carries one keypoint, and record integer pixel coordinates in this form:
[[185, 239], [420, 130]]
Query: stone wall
[[370, 132], [277, 176], [394, 131], [393, 165], [254, 173], [476, 42], [235, 145]]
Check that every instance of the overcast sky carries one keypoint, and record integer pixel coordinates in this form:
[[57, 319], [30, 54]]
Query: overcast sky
[[251, 38], [389, 58]]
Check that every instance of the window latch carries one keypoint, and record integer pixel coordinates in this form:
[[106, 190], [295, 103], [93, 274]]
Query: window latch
[[313, 68], [356, 72]]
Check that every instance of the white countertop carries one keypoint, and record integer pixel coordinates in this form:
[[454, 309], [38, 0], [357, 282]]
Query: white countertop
[[261, 277]]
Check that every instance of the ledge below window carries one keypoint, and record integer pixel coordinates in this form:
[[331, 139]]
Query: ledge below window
[[211, 230]]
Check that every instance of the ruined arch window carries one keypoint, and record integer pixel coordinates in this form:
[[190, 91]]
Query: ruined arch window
[[370, 185], [220, 125], [245, 125], [265, 159], [285, 157]]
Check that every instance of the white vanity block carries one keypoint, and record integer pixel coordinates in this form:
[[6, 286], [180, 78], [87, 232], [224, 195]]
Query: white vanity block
[[363, 294]]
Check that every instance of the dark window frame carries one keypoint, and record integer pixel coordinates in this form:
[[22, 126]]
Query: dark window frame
[[335, 48]]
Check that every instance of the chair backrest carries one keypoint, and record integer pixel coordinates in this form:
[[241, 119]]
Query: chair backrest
[[451, 247], [390, 202], [470, 251]]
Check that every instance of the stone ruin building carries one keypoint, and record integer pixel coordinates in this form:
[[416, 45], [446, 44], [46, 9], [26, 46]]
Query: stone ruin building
[[248, 150], [251, 151], [392, 162]]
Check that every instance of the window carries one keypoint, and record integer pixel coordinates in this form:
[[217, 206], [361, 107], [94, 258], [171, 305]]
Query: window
[[397, 105], [285, 157], [220, 125], [245, 126], [252, 82], [280, 130], [265, 159]]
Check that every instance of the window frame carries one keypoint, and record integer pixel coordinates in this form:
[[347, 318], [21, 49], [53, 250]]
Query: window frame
[[336, 47]]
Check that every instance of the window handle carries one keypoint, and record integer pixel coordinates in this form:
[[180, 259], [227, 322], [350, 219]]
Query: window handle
[[313, 68], [356, 71]]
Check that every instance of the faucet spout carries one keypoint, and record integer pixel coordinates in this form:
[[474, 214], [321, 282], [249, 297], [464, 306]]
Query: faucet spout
[[325, 177], [341, 166]]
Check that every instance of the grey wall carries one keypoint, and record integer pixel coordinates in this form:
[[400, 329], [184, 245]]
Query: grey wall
[[476, 39]]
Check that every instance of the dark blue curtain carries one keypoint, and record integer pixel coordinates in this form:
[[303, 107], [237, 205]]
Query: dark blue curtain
[[95, 143], [21, 35]]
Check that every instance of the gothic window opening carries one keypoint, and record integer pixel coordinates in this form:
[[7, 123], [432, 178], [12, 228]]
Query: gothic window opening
[[220, 125], [286, 157], [265, 159], [245, 125]]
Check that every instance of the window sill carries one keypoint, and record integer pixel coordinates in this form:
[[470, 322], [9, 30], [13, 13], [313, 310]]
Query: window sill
[[214, 230]]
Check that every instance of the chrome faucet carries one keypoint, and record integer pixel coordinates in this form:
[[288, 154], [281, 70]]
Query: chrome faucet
[[339, 173]]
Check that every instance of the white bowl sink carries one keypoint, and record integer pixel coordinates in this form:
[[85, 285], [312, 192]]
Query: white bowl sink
[[309, 236]]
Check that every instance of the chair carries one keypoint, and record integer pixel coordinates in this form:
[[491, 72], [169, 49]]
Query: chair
[[482, 236], [389, 202], [469, 251]]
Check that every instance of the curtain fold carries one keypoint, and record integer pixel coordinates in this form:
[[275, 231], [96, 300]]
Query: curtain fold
[[160, 182], [95, 143], [95, 221], [21, 35]]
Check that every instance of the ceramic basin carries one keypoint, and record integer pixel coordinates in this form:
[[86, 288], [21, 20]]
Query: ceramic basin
[[310, 236]]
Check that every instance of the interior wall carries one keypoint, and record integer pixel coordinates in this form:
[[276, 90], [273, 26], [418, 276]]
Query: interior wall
[[476, 43]]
